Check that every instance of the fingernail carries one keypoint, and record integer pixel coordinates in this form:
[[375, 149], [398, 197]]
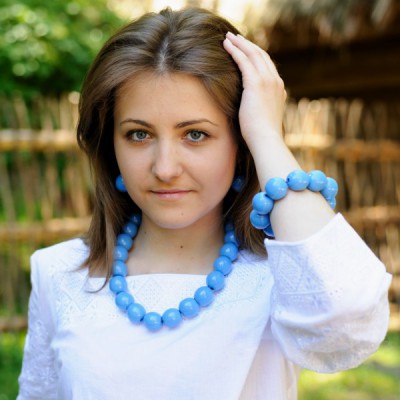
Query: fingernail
[[229, 34]]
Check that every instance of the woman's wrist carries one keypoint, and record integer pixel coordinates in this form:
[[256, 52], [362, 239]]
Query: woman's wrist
[[277, 188], [272, 158]]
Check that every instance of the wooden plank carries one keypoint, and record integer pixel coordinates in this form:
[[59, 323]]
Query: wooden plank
[[21, 110], [346, 149], [13, 323], [76, 186], [37, 140], [372, 216], [43, 231], [6, 192]]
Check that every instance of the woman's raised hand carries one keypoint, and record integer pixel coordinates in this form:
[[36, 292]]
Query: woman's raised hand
[[260, 117], [264, 95]]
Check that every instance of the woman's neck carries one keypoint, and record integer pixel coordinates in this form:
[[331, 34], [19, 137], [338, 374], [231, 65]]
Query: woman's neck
[[189, 250]]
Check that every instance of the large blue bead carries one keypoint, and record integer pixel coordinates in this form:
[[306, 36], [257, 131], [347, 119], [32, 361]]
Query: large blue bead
[[298, 180], [118, 284], [204, 296], [119, 184], [130, 228], [215, 280], [330, 190], [189, 307], [238, 184], [332, 203], [229, 250], [269, 232], [152, 321], [259, 221], [317, 181], [123, 300], [136, 312], [223, 264], [230, 237], [262, 203], [119, 268], [120, 253], [172, 318], [124, 240], [136, 219], [276, 188]]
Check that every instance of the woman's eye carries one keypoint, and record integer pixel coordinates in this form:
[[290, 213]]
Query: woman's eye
[[137, 136], [196, 136]]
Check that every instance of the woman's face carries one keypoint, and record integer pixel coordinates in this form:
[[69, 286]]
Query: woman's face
[[174, 148]]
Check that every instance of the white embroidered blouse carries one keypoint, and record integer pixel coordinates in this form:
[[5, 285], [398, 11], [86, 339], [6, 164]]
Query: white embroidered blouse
[[319, 304]]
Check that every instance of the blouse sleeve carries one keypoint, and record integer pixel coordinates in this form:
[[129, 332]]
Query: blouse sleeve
[[38, 377], [330, 298]]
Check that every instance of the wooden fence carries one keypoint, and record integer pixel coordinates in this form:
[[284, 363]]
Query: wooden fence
[[44, 193], [45, 183]]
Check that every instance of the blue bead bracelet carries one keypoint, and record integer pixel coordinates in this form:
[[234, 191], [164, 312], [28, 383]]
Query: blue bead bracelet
[[277, 188]]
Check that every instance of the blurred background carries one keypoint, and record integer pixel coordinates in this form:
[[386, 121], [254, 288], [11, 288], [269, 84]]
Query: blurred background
[[340, 60]]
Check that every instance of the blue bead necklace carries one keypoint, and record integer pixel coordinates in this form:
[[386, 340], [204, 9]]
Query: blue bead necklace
[[189, 307]]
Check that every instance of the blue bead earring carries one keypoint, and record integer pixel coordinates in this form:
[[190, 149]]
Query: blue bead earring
[[120, 185], [238, 184]]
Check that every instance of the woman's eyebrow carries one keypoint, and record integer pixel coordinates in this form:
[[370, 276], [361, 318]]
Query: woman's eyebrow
[[136, 121], [193, 122], [179, 125]]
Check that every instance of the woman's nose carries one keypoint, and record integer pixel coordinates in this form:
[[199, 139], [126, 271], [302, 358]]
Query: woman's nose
[[167, 162]]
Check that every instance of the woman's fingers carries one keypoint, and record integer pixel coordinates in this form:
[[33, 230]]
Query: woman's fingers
[[263, 96], [256, 54], [250, 65], [255, 64], [258, 58], [241, 59]]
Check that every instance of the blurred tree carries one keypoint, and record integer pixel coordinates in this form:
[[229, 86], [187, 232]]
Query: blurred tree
[[46, 47]]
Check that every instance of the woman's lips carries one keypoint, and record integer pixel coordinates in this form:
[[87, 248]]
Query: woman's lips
[[173, 194]]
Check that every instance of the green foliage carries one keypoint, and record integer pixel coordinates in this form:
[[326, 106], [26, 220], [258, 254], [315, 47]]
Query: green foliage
[[47, 46]]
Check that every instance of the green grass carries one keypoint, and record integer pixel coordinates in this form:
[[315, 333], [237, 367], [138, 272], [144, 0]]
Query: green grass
[[11, 348], [378, 378]]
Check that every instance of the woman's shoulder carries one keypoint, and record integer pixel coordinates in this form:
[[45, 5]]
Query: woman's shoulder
[[65, 256], [58, 277]]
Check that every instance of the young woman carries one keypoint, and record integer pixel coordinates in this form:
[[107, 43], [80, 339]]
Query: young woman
[[173, 294]]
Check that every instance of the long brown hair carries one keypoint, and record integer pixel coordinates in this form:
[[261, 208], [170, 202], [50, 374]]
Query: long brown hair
[[188, 41]]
